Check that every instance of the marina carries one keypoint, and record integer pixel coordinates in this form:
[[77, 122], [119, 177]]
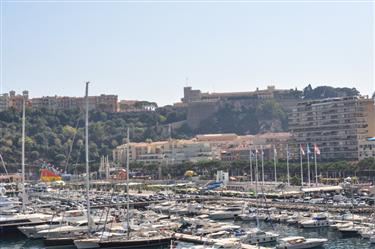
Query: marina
[[117, 212], [171, 219]]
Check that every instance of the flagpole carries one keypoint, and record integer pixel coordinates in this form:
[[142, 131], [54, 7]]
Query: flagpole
[[274, 162], [251, 168], [316, 167], [308, 164], [300, 152], [287, 163], [256, 185], [261, 149], [256, 166]]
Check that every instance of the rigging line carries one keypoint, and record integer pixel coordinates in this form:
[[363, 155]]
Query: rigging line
[[3, 163], [71, 146], [79, 152]]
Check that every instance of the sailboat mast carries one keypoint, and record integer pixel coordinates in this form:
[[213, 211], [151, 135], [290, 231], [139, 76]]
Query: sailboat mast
[[127, 184], [300, 152], [23, 155], [262, 157], [87, 157], [316, 166], [251, 167], [287, 164], [274, 162], [256, 185], [308, 164]]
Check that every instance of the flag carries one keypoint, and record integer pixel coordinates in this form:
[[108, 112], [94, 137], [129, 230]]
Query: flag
[[256, 151], [308, 149], [274, 150], [252, 154], [301, 150], [316, 149], [288, 154]]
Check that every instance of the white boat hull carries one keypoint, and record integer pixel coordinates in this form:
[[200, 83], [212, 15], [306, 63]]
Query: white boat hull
[[306, 245]]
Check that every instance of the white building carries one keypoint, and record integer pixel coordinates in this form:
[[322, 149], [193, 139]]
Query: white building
[[165, 152], [366, 148], [222, 176]]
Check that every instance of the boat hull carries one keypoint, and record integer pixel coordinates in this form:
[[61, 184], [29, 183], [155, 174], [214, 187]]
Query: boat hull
[[302, 246], [56, 243], [13, 227], [123, 244]]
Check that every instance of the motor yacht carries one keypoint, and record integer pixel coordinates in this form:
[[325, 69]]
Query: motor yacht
[[228, 213], [68, 218], [318, 220], [299, 242], [11, 222], [258, 236], [350, 231]]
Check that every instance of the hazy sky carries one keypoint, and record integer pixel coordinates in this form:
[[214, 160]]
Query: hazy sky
[[146, 50]]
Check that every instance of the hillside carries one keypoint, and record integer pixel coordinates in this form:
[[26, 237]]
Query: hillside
[[58, 136]]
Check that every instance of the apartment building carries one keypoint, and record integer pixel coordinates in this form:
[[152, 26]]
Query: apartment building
[[13, 100], [336, 125], [268, 142], [103, 102], [4, 102], [366, 149], [106, 103], [165, 152], [227, 147]]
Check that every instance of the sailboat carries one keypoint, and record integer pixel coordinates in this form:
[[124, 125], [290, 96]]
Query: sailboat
[[69, 234], [141, 239], [256, 235], [10, 222]]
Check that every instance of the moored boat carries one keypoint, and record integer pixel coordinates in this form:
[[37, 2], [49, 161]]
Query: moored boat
[[299, 242]]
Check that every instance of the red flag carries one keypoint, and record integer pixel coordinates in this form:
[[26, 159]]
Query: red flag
[[316, 149], [301, 149]]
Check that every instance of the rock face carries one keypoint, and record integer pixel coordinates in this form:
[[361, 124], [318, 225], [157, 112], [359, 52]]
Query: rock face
[[273, 125], [200, 111], [249, 116]]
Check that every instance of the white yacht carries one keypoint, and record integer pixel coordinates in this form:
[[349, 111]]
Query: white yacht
[[69, 217], [258, 236], [11, 222], [228, 213], [318, 220], [350, 231], [299, 242], [229, 243], [76, 228], [31, 232], [339, 225]]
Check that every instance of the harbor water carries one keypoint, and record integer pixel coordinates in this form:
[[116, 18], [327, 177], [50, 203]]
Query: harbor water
[[335, 240]]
